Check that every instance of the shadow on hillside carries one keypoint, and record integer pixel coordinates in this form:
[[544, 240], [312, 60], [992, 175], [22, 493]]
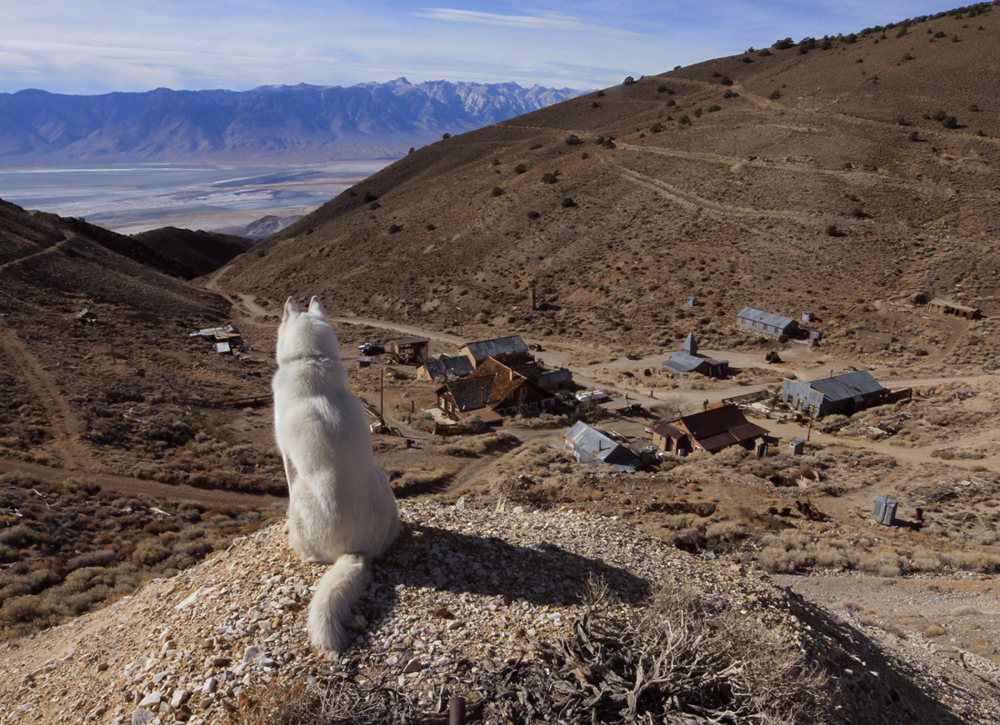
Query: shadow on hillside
[[895, 692], [439, 559]]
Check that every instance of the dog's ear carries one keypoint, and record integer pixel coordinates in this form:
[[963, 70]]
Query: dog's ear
[[316, 307], [290, 308]]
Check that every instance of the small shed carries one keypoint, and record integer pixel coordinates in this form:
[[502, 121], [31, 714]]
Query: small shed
[[796, 446], [807, 316], [885, 510], [408, 350], [86, 316], [223, 348], [364, 362]]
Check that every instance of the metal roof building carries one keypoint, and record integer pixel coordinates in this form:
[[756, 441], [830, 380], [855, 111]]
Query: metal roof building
[[445, 367], [766, 322], [689, 361], [842, 394], [508, 350], [589, 445]]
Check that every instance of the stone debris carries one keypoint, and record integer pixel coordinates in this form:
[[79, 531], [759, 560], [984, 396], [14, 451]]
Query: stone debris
[[460, 587]]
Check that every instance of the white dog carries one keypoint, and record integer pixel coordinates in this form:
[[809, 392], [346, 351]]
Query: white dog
[[341, 509]]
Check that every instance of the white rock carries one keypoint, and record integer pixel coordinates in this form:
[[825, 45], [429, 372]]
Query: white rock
[[142, 717], [151, 700], [209, 687], [179, 698], [252, 653]]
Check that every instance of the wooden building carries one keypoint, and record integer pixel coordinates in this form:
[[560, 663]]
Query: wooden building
[[711, 430], [493, 389], [408, 350]]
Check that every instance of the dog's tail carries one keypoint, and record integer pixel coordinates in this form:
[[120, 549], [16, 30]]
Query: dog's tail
[[338, 589]]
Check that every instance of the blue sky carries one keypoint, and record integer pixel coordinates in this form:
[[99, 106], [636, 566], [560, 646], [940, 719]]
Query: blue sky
[[98, 46]]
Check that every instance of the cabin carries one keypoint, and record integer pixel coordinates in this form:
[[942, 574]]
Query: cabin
[[509, 351], [593, 447], [843, 394], [768, 323], [711, 430], [689, 361], [408, 350]]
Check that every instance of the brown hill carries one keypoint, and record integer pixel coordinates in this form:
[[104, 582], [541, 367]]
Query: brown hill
[[198, 251], [806, 178], [47, 260]]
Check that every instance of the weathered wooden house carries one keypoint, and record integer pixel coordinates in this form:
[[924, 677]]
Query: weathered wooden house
[[408, 350], [507, 350], [767, 323], [842, 394], [711, 430], [689, 361], [493, 388], [590, 445]]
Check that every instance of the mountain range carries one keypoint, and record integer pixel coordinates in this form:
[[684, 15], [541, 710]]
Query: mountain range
[[301, 123]]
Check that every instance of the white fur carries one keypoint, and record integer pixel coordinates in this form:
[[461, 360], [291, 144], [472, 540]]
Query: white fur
[[341, 509]]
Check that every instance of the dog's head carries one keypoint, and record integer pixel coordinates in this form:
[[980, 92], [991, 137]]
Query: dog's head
[[306, 334]]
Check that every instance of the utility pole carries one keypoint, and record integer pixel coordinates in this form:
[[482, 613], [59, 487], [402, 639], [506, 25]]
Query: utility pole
[[381, 401]]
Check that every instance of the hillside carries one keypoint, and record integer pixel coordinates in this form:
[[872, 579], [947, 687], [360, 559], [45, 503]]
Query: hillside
[[805, 178], [199, 252], [272, 124]]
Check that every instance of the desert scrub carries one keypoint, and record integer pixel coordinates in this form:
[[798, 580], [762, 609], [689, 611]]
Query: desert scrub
[[76, 546]]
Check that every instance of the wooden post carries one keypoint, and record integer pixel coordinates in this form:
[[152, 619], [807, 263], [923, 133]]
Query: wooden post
[[456, 710], [381, 400]]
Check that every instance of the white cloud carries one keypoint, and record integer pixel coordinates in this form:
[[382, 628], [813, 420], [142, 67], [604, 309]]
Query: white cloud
[[550, 22]]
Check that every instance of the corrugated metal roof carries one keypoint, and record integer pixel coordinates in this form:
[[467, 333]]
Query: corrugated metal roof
[[938, 302], [498, 346], [690, 344], [847, 385], [683, 362], [448, 366], [409, 341], [602, 447], [552, 377], [767, 318]]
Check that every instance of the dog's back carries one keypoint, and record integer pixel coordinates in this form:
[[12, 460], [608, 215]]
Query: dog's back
[[341, 507]]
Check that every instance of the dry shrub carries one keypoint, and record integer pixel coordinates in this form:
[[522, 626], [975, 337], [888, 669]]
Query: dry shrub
[[681, 521], [690, 540], [974, 561], [881, 562]]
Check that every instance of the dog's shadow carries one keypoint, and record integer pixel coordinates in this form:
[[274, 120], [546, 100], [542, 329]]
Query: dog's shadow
[[487, 566]]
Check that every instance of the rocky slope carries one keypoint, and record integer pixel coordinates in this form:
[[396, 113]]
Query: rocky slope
[[458, 600]]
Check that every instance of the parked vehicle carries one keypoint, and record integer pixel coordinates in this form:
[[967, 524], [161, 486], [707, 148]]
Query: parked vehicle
[[369, 349]]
